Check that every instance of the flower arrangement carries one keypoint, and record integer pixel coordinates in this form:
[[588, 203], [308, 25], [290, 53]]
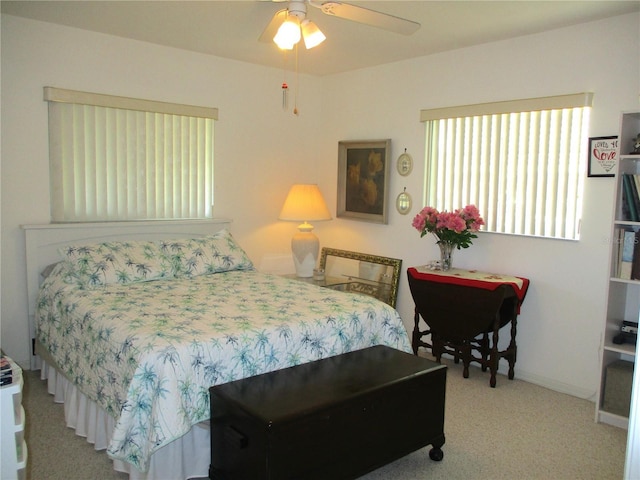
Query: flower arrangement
[[455, 228]]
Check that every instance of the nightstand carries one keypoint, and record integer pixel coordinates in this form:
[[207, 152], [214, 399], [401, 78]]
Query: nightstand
[[356, 272], [350, 284]]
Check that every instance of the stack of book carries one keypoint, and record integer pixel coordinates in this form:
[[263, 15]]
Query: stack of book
[[628, 241], [6, 370], [630, 197]]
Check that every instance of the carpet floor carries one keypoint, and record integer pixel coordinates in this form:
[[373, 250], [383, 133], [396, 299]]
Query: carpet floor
[[514, 431]]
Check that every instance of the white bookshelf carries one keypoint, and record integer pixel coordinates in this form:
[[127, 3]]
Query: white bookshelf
[[623, 300], [14, 446]]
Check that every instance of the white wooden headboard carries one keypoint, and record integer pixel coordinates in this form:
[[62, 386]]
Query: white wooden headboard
[[43, 241]]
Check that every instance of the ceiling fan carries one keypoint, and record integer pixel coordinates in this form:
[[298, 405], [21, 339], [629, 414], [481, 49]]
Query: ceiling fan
[[290, 24]]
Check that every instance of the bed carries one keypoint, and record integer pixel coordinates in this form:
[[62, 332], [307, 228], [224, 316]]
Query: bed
[[135, 322]]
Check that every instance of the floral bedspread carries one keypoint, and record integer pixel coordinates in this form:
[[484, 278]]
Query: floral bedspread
[[148, 352]]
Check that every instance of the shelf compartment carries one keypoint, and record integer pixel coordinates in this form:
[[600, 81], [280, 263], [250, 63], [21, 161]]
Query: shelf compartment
[[623, 348]]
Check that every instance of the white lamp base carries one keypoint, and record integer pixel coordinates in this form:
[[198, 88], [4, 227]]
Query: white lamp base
[[305, 247]]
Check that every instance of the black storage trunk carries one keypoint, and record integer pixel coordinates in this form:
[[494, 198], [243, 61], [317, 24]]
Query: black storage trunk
[[336, 418]]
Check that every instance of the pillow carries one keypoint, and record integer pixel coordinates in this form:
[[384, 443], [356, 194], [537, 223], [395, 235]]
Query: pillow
[[202, 256], [47, 270], [105, 263]]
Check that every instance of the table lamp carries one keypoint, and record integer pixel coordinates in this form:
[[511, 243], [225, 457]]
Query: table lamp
[[304, 203]]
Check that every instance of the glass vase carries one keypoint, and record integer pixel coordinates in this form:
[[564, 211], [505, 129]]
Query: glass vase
[[446, 252]]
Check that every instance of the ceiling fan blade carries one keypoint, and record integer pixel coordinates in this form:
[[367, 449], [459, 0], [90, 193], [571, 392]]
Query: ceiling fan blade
[[370, 17], [271, 29]]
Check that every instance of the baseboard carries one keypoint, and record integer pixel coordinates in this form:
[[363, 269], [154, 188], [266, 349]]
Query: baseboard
[[542, 381], [550, 383]]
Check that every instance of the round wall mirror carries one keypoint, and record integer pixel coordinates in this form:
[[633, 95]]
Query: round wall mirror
[[403, 203]]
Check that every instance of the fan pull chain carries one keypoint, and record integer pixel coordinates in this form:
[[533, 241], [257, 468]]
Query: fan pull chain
[[285, 92], [285, 87]]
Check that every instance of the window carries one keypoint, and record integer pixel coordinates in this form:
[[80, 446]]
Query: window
[[116, 158], [520, 162]]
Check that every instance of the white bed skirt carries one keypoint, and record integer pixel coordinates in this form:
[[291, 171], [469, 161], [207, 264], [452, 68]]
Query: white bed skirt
[[185, 458]]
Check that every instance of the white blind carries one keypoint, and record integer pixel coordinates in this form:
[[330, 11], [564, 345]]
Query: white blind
[[524, 170], [139, 160]]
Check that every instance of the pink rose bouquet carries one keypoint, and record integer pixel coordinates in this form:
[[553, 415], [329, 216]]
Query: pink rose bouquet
[[455, 228]]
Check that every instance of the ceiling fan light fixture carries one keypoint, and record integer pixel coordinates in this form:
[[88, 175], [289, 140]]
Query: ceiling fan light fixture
[[312, 35], [288, 33]]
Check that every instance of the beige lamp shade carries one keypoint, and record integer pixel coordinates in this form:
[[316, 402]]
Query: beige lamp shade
[[305, 203]]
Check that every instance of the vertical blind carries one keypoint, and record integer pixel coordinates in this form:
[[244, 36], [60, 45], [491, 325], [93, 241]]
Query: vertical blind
[[521, 163], [114, 158]]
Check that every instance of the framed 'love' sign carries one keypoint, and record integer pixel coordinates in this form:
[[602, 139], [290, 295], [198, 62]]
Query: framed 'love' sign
[[603, 156]]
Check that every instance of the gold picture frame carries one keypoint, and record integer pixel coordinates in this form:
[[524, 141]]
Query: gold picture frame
[[363, 180], [356, 272]]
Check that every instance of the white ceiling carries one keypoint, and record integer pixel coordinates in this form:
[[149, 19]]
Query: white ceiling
[[231, 28]]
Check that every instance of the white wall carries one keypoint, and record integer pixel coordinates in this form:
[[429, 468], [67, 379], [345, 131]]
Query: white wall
[[261, 150], [561, 321]]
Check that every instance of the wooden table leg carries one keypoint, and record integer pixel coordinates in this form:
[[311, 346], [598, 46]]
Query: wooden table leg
[[437, 347], [513, 348], [484, 350], [494, 355], [466, 358], [415, 339]]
